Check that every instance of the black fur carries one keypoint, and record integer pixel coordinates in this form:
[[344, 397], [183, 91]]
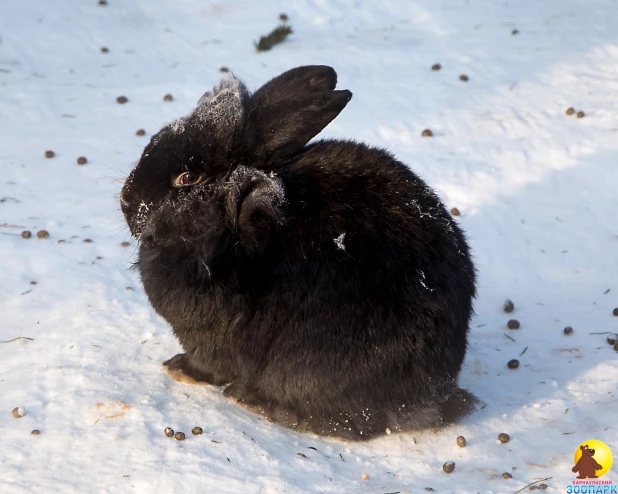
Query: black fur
[[325, 285]]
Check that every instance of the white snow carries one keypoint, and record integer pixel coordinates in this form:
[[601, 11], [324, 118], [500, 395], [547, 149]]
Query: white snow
[[339, 241], [536, 190]]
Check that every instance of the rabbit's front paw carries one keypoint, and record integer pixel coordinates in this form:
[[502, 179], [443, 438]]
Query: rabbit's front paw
[[180, 369]]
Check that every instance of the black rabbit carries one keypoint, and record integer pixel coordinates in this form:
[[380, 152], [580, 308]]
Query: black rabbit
[[325, 285]]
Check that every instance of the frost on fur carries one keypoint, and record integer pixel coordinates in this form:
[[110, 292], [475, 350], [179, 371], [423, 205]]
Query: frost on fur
[[222, 108]]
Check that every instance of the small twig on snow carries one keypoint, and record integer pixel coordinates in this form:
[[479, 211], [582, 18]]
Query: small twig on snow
[[18, 338], [532, 483]]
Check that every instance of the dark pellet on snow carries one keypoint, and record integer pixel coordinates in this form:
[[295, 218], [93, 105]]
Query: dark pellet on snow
[[82, 160], [534, 488], [616, 347], [49, 154], [125, 244], [88, 240], [168, 97], [570, 111], [33, 282], [301, 455], [42, 234], [35, 432], [463, 77], [283, 16], [169, 432], [196, 431], [449, 467], [514, 32], [104, 49], [455, 212], [436, 66], [224, 70], [513, 364], [504, 438], [568, 330], [508, 306], [615, 311], [140, 132], [580, 114], [507, 475], [612, 338], [543, 486], [102, 2], [26, 234], [122, 99], [427, 133], [461, 441], [180, 436], [513, 324]]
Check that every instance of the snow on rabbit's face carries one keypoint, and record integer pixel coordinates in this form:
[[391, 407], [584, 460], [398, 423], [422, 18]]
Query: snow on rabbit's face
[[170, 195]]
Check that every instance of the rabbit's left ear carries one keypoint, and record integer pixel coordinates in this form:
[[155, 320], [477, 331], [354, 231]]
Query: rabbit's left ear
[[222, 110], [255, 207], [290, 110]]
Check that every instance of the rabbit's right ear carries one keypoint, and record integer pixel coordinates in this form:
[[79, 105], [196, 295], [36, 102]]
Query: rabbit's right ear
[[291, 109]]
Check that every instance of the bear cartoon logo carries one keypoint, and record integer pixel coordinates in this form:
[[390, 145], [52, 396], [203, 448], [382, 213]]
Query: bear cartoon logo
[[587, 466]]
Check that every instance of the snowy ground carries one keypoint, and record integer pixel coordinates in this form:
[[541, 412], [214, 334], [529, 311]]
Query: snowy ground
[[535, 189]]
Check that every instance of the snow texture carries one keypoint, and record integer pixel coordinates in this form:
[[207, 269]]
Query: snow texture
[[339, 241], [81, 348]]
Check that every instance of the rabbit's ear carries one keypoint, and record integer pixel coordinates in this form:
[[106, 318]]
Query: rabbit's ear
[[222, 109], [287, 112], [254, 206]]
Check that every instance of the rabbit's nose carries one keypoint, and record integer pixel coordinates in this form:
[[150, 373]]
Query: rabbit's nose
[[124, 204], [127, 207]]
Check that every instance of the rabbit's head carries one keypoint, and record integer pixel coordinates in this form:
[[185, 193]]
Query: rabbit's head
[[204, 179]]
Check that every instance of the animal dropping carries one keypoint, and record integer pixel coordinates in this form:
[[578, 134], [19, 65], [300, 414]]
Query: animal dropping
[[504, 438]]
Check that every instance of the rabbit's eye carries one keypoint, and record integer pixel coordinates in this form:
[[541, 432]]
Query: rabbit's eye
[[187, 178]]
